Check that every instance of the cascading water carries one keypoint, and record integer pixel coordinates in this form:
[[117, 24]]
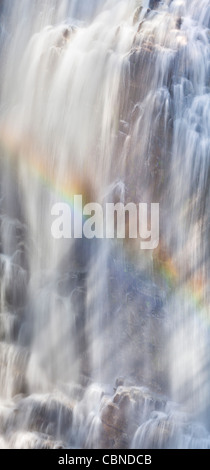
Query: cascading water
[[103, 344]]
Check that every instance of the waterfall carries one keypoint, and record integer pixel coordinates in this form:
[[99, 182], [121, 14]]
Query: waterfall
[[102, 344]]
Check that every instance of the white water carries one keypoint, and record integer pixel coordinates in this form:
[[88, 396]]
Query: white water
[[110, 101]]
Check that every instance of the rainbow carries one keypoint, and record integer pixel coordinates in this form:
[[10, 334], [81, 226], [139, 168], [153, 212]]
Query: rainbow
[[18, 146]]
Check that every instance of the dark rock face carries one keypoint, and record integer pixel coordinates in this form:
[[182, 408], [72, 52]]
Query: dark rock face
[[140, 335], [135, 314], [141, 70], [9, 326], [137, 14], [14, 282], [154, 4], [13, 363], [47, 415]]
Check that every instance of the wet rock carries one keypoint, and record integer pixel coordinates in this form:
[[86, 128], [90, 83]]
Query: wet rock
[[179, 22], [114, 427], [111, 416], [111, 438], [160, 404], [13, 363], [120, 381], [66, 33], [64, 36], [140, 333], [141, 70], [154, 434], [48, 414], [85, 380], [122, 415], [13, 283], [153, 4], [9, 326]]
